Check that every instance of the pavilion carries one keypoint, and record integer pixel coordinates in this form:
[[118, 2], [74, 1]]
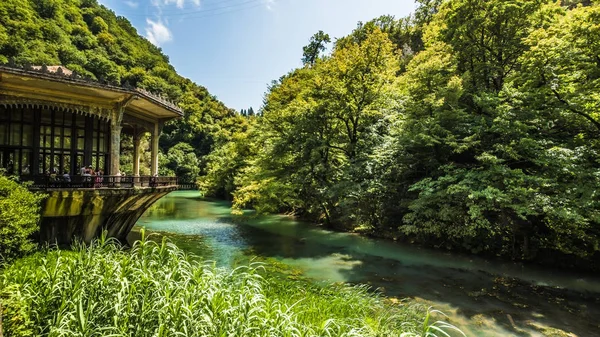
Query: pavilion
[[54, 120]]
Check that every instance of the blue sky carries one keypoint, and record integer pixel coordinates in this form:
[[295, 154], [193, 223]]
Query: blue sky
[[235, 48]]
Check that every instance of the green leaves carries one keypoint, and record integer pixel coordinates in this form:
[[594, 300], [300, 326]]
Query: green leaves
[[316, 46], [182, 160], [505, 161], [562, 66], [19, 219]]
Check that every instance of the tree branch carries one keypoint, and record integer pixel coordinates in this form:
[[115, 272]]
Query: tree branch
[[580, 113], [334, 147]]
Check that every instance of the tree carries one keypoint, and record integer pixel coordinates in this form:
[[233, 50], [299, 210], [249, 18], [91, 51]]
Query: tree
[[48, 9], [562, 66], [487, 37], [183, 161], [317, 45], [229, 158], [426, 10]]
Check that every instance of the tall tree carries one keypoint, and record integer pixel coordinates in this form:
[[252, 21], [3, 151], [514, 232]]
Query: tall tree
[[426, 10], [318, 44], [487, 37]]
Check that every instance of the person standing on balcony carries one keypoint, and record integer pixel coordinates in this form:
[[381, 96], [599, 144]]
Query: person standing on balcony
[[96, 178], [87, 179]]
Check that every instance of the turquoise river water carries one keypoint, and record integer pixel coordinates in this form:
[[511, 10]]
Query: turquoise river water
[[482, 297]]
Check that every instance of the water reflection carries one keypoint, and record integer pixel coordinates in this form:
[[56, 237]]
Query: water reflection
[[490, 298]]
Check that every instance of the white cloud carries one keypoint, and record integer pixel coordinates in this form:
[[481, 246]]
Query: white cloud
[[269, 4], [178, 3], [132, 4], [157, 32]]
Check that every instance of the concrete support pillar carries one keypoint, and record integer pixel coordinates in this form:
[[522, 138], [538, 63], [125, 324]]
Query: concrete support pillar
[[136, 155], [115, 148], [155, 135]]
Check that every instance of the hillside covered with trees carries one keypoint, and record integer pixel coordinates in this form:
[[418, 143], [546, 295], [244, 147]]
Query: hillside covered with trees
[[90, 39], [471, 125]]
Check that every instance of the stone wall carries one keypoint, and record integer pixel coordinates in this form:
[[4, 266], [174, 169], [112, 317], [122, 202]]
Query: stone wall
[[68, 214]]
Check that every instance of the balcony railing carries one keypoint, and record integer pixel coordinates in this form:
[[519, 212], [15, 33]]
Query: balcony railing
[[50, 182]]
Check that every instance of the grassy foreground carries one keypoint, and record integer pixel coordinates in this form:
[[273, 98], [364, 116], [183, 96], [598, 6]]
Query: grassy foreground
[[155, 289]]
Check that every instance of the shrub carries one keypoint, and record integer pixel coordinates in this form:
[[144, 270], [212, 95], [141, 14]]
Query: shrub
[[19, 219]]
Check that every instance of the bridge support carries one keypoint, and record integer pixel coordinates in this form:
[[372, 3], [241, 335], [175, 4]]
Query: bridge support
[[73, 214]]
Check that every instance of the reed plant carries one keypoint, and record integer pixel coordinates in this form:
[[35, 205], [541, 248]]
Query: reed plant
[[154, 289]]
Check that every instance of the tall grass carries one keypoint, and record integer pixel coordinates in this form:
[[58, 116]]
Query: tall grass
[[155, 289]]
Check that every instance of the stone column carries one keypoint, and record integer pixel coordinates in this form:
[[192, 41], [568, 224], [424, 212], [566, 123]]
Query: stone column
[[115, 148], [136, 154], [155, 135]]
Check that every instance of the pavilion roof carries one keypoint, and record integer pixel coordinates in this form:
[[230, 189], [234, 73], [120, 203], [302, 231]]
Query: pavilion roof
[[60, 74]]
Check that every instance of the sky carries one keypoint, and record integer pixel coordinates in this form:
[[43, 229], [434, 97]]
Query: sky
[[235, 48]]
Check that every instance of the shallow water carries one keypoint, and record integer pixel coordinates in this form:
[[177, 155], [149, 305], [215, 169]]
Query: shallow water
[[482, 297]]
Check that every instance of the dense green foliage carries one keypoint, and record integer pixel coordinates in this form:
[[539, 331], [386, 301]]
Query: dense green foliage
[[19, 219], [472, 125], [157, 290], [90, 39]]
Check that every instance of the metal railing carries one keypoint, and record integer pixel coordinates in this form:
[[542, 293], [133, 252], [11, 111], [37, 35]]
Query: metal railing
[[187, 187], [50, 182]]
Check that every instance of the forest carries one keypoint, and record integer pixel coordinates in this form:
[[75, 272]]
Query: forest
[[469, 125]]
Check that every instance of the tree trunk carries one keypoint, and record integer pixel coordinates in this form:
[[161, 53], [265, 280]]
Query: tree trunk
[[325, 212], [525, 246], [1, 310]]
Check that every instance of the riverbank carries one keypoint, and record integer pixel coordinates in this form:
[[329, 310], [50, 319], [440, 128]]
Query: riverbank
[[156, 289], [543, 258]]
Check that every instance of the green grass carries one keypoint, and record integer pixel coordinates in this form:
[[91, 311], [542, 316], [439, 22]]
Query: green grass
[[155, 289]]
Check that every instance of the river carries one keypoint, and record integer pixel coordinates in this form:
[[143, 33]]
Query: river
[[482, 297]]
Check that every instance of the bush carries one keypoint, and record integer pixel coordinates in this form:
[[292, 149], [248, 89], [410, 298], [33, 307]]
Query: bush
[[157, 290], [19, 219]]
